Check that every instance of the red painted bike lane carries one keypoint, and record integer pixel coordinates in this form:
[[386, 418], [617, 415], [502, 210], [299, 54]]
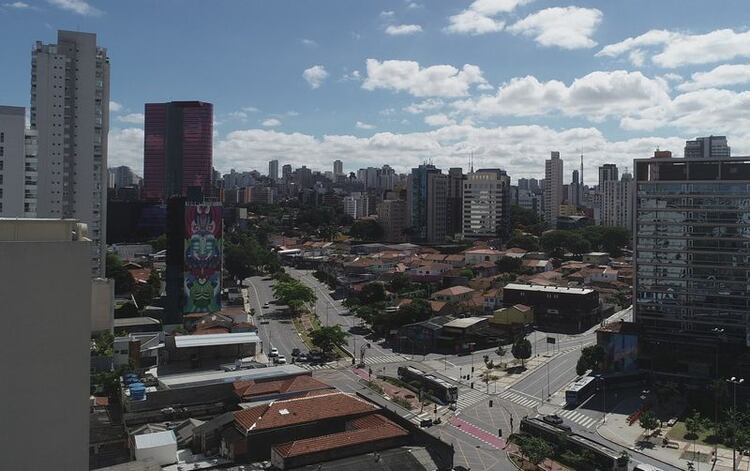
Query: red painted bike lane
[[478, 433]]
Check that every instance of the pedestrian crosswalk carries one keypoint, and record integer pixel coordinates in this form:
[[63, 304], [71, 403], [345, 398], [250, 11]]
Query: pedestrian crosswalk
[[323, 366], [379, 359], [520, 399], [577, 417], [468, 397]]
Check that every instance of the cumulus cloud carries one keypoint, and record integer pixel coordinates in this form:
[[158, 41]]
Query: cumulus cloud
[[403, 30], [564, 27], [271, 122], [597, 95], [426, 105], [438, 120], [308, 42], [125, 147], [721, 76], [361, 125], [80, 7], [410, 77], [132, 118], [315, 76], [480, 17], [671, 49], [17, 5], [114, 106]]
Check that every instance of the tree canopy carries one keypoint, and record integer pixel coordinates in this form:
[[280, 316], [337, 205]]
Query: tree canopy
[[244, 256], [114, 269], [294, 294], [521, 350], [327, 338], [367, 229], [591, 358]]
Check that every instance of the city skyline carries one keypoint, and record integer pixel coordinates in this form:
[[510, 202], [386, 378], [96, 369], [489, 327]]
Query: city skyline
[[464, 87]]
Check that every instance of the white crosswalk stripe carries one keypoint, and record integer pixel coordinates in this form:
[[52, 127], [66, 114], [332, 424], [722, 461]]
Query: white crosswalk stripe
[[519, 399], [314, 367], [577, 417], [391, 358], [468, 397]]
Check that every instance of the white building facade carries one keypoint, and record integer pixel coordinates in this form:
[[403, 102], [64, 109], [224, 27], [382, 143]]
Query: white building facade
[[553, 188], [486, 204]]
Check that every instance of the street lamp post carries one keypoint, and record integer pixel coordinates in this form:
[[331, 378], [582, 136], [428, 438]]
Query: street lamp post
[[735, 382]]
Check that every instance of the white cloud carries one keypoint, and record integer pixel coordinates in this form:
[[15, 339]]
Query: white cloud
[[387, 14], [80, 7], [438, 120], [125, 147], [597, 95], [426, 105], [564, 27], [114, 106], [354, 76], [479, 18], [250, 109], [132, 118], [413, 5], [722, 76], [238, 115], [408, 76], [403, 30], [671, 49], [361, 125], [315, 75], [271, 122], [308, 42], [17, 5]]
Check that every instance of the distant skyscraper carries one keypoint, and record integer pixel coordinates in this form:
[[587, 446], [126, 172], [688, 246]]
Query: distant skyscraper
[[707, 148], [691, 293], [124, 176], [553, 188], [608, 172], [18, 164], [575, 190], [615, 203], [486, 204], [392, 214], [427, 200], [286, 172], [338, 168], [178, 149], [70, 113], [303, 177], [273, 170], [523, 183], [455, 201], [534, 184]]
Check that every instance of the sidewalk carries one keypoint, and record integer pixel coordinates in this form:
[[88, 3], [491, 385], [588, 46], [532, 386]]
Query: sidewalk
[[617, 430]]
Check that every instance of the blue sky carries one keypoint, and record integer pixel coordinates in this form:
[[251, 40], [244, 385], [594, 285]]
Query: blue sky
[[400, 82]]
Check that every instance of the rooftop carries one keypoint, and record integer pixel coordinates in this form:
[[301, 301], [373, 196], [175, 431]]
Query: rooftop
[[453, 291], [251, 389], [208, 340], [134, 321], [548, 289], [184, 380], [155, 439], [466, 322]]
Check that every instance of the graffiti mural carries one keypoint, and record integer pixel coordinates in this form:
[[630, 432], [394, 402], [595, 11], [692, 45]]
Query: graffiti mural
[[203, 251]]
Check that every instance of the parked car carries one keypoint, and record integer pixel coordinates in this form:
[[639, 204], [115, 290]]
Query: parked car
[[553, 419], [302, 357], [274, 352], [295, 352], [280, 360]]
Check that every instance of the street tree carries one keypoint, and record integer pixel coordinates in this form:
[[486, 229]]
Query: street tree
[[535, 449], [114, 269], [649, 422], [327, 338], [527, 242], [294, 294], [521, 350], [592, 358], [367, 229]]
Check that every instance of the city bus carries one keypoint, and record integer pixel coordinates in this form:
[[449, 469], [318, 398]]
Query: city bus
[[440, 389], [646, 467], [579, 391]]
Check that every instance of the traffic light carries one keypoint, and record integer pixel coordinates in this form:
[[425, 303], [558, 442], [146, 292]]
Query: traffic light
[[490, 402], [499, 432]]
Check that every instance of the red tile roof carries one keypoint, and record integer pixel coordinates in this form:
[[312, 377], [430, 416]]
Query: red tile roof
[[250, 389], [301, 410], [453, 291], [366, 429]]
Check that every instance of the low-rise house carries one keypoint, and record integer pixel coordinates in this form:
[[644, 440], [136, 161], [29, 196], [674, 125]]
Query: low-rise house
[[129, 325], [537, 266], [596, 258], [560, 308], [159, 447], [456, 260], [485, 269], [254, 391], [428, 273], [454, 294], [513, 319], [421, 337], [474, 256], [492, 299], [209, 350]]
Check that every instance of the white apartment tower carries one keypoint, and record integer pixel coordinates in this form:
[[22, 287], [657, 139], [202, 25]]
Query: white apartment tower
[[486, 204], [70, 113], [18, 164], [273, 170], [616, 200], [553, 188], [338, 168]]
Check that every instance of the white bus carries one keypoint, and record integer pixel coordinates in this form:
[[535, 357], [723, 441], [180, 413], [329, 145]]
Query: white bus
[[646, 467]]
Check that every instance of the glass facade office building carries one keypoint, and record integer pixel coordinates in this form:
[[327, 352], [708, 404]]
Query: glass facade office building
[[692, 265]]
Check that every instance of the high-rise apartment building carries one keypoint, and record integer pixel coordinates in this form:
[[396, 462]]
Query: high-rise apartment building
[[455, 201], [123, 177], [692, 284], [553, 188], [286, 172], [356, 205], [303, 177], [49, 340], [427, 195], [608, 172], [338, 168], [575, 190], [18, 164], [523, 184], [177, 149], [70, 114], [707, 148], [486, 204], [393, 216], [615, 203], [273, 170]]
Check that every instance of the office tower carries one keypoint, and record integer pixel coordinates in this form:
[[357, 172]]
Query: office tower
[[303, 177], [553, 188], [18, 164], [608, 172], [523, 184], [338, 168], [123, 176], [356, 205], [707, 148], [575, 190], [427, 196], [286, 172], [273, 170], [615, 203], [70, 114], [392, 214], [691, 294], [177, 149], [48, 345], [386, 178], [455, 201], [534, 185], [486, 204]]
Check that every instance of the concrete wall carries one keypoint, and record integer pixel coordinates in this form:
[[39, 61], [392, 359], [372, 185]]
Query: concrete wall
[[102, 304], [45, 292]]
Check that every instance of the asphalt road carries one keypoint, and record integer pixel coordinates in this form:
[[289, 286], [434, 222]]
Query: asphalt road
[[275, 328]]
